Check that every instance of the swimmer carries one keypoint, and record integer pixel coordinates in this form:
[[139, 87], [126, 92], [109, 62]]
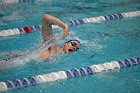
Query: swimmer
[[47, 34]]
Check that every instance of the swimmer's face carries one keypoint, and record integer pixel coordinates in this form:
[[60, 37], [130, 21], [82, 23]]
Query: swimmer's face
[[71, 46]]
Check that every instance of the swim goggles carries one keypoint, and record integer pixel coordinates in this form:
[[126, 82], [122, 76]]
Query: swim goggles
[[74, 45]]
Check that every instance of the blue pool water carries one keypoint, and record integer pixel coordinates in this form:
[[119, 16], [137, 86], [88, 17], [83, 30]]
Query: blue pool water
[[101, 42]]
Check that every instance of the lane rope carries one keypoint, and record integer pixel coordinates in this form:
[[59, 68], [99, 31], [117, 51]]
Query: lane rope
[[22, 1], [29, 29], [60, 75]]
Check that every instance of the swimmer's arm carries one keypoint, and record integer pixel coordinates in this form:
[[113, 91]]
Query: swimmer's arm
[[55, 21]]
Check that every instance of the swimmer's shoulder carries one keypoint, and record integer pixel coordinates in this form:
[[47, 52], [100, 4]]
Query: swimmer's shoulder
[[53, 48], [46, 53]]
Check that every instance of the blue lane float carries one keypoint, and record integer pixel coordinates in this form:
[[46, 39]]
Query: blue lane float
[[60, 75], [29, 29]]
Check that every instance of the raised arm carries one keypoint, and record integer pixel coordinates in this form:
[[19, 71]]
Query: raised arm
[[47, 22]]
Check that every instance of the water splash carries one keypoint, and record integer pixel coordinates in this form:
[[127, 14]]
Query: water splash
[[12, 59], [18, 58]]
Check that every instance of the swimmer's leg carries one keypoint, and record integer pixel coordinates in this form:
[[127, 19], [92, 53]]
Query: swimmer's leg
[[9, 58]]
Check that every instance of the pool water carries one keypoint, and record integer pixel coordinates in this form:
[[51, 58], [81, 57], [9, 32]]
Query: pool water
[[101, 42]]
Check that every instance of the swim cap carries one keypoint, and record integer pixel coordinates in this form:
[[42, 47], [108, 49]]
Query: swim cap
[[73, 40]]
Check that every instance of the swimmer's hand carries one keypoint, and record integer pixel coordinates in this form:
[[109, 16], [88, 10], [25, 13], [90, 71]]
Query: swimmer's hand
[[66, 31]]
